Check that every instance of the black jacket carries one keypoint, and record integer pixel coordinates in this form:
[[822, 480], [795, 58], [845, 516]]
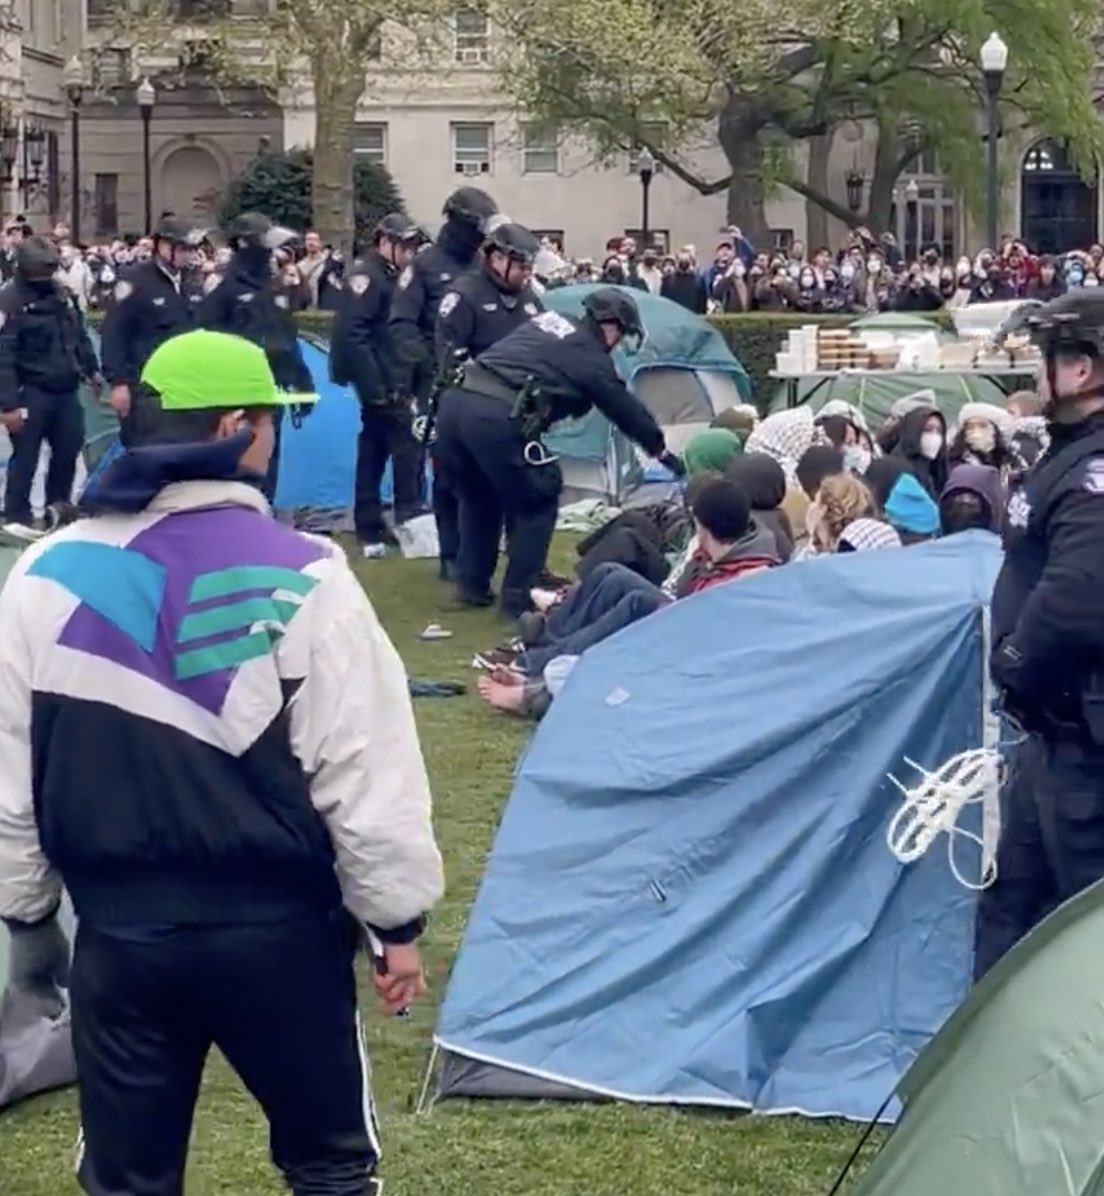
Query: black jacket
[[44, 344], [932, 475], [477, 313], [685, 288], [362, 353]]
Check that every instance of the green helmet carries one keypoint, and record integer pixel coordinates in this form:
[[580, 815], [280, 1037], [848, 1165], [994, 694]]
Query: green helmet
[[202, 370]]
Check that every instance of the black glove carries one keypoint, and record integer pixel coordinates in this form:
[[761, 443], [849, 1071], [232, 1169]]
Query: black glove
[[673, 462], [39, 955]]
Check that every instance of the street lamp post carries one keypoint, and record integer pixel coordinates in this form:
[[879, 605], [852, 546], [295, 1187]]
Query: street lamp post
[[854, 183], [646, 170], [73, 80], [994, 60], [147, 97], [911, 246]]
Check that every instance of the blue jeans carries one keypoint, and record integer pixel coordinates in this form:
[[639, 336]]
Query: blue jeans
[[610, 597]]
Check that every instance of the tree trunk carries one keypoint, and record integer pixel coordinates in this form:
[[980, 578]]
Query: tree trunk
[[816, 218], [740, 131], [337, 90], [887, 159]]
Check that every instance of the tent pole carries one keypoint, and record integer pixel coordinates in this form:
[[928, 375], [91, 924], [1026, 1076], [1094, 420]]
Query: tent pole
[[423, 1095]]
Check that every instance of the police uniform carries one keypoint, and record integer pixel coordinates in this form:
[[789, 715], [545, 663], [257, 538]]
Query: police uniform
[[414, 307], [245, 303], [493, 454], [151, 303], [362, 355], [477, 313], [45, 353], [1048, 632]]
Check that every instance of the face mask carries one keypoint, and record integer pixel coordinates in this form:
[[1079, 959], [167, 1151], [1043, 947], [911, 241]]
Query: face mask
[[807, 282], [856, 459], [739, 269], [981, 440], [847, 271], [874, 266], [930, 445], [1092, 281], [794, 270]]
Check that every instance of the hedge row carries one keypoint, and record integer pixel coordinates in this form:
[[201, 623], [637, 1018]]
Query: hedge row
[[754, 338]]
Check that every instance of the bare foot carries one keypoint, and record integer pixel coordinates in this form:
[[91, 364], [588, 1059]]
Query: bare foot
[[505, 676], [501, 695]]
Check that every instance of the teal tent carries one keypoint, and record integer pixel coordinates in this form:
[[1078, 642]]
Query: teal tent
[[685, 373]]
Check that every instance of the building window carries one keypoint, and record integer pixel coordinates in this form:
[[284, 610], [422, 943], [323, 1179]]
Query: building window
[[781, 238], [540, 152], [471, 148], [658, 238], [370, 142], [472, 36], [111, 67], [655, 133], [107, 204], [53, 171], [202, 10]]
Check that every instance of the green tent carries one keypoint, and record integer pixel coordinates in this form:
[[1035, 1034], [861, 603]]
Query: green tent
[[875, 394], [896, 321], [1005, 1100]]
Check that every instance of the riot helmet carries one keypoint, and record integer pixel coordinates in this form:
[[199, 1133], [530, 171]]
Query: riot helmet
[[397, 239], [254, 230], [175, 241], [470, 205], [510, 251], [612, 305], [1069, 332], [37, 260]]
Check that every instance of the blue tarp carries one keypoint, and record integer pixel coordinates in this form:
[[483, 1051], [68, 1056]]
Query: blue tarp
[[690, 898]]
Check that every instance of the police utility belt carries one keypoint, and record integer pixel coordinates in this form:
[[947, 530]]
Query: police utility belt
[[527, 408]]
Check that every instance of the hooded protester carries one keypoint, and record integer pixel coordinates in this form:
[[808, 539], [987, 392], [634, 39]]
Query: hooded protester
[[785, 436], [984, 436], [973, 499], [1030, 435], [742, 419], [845, 427], [922, 446], [882, 476], [890, 430], [866, 535], [763, 481], [713, 450], [818, 462], [911, 511]]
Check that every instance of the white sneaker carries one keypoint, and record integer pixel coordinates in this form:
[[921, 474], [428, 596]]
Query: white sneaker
[[544, 600], [374, 552]]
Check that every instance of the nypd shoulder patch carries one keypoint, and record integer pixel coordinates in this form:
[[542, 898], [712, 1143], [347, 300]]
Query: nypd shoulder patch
[[123, 290], [406, 278], [1093, 479], [530, 309], [282, 301], [448, 304], [359, 283]]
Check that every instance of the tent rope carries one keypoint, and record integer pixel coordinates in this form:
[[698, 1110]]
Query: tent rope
[[870, 1126], [934, 805]]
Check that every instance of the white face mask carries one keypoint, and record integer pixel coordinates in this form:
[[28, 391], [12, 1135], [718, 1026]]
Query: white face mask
[[874, 265], [856, 458], [847, 271], [981, 440], [930, 445]]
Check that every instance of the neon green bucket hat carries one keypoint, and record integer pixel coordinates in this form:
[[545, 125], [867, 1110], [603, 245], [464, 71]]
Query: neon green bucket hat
[[200, 370]]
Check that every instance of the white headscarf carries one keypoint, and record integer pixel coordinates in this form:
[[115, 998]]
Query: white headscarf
[[785, 437]]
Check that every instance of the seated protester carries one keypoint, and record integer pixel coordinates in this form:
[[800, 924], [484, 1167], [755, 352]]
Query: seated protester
[[612, 597], [864, 535], [983, 436], [511, 693], [890, 431], [911, 511], [644, 538], [762, 480], [785, 436], [840, 501], [818, 462], [1030, 435], [742, 419], [973, 499], [922, 447]]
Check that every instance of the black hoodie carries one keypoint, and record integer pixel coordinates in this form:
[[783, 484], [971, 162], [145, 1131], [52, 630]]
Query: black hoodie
[[763, 481], [932, 475]]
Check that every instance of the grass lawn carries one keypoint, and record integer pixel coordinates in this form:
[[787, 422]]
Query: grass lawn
[[460, 1149]]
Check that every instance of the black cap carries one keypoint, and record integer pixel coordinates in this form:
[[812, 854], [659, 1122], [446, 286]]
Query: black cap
[[1073, 321], [36, 259], [610, 305], [516, 241], [397, 227], [470, 205]]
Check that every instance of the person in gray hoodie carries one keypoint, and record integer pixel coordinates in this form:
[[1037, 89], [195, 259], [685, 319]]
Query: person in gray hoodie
[[972, 499]]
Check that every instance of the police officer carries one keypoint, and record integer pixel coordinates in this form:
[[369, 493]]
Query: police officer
[[245, 303], [45, 353], [550, 368], [487, 303], [155, 300], [1048, 634], [362, 355], [421, 287]]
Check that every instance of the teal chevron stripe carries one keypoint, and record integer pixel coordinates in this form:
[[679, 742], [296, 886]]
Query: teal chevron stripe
[[201, 661], [234, 615], [222, 583]]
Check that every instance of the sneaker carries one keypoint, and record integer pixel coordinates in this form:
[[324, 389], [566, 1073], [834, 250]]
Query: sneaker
[[496, 658], [469, 598], [552, 581], [544, 600], [373, 552]]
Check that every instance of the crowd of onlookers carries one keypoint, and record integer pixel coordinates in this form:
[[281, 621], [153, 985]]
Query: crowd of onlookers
[[764, 494], [867, 274]]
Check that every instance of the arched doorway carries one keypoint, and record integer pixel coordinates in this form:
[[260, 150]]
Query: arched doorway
[[1059, 210], [191, 181]]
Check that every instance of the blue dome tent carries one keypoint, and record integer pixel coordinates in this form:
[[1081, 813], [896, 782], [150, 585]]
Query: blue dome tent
[[690, 899]]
